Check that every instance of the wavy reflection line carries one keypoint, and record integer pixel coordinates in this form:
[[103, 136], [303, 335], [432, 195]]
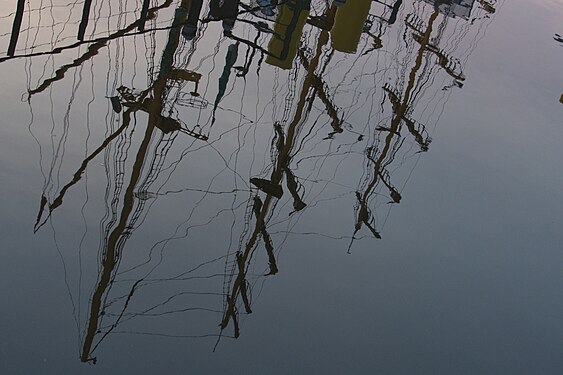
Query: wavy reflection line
[[93, 50]]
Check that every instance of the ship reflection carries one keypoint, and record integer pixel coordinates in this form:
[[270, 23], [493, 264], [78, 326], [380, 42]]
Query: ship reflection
[[346, 94]]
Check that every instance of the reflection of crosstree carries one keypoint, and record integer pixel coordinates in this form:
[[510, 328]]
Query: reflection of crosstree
[[450, 65], [320, 91], [415, 130], [262, 209]]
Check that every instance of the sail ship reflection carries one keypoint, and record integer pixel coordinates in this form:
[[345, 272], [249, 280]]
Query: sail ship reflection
[[320, 127]]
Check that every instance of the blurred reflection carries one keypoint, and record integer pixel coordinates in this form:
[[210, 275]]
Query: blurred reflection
[[349, 25], [341, 110], [288, 27]]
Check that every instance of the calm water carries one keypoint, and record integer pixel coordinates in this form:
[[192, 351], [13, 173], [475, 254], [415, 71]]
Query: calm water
[[291, 187]]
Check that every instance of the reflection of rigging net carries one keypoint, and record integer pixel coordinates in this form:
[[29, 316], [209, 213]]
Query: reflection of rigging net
[[189, 100], [142, 194], [27, 27], [118, 174]]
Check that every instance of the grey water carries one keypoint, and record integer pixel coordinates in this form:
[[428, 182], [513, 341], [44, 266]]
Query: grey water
[[281, 187]]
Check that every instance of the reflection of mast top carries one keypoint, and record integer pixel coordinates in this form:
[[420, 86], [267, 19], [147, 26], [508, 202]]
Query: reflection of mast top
[[454, 8], [349, 25], [288, 28]]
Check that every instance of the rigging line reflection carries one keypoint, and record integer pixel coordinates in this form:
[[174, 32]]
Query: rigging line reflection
[[78, 174], [93, 50]]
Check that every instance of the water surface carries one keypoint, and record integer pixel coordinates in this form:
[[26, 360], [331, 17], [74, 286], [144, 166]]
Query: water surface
[[273, 188]]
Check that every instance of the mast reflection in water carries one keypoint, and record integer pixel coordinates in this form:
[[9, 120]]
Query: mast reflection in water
[[252, 118]]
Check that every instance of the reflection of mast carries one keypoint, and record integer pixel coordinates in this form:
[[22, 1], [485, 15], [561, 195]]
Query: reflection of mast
[[118, 235], [285, 146], [448, 63], [400, 109]]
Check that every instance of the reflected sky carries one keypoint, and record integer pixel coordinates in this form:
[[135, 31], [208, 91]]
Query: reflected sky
[[282, 187]]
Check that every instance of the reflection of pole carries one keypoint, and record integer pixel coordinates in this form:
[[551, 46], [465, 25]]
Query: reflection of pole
[[84, 21], [276, 178], [116, 237], [16, 28]]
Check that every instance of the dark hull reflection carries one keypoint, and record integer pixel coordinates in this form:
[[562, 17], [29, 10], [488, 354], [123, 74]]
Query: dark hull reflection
[[308, 60]]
